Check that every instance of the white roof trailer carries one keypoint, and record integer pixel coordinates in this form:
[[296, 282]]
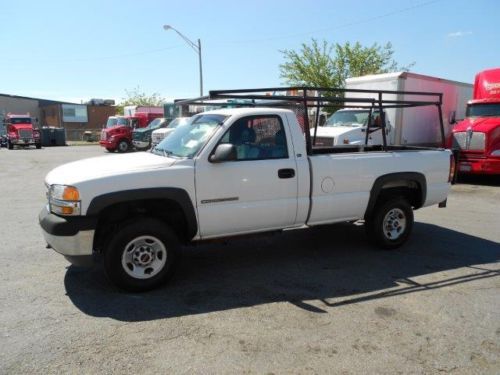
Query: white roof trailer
[[416, 125]]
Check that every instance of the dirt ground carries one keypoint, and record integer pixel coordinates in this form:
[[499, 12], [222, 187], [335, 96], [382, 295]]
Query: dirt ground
[[315, 301]]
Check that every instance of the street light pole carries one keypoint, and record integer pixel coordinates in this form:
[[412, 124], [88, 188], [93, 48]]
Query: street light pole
[[195, 47]]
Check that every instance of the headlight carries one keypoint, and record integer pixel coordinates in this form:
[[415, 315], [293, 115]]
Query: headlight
[[495, 153], [64, 200]]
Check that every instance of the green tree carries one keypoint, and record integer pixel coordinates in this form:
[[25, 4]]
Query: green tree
[[329, 65], [137, 97]]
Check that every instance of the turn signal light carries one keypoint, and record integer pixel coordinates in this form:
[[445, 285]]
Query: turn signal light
[[71, 194]]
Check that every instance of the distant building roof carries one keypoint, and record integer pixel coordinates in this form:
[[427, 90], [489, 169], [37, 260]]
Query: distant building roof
[[41, 102]]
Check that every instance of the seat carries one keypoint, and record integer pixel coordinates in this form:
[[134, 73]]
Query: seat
[[279, 150]]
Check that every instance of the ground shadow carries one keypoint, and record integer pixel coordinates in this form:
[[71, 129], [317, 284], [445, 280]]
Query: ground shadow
[[486, 180], [324, 263]]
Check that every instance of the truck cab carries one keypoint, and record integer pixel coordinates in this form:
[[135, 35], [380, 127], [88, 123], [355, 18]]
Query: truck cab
[[20, 131], [117, 134], [477, 137], [141, 137], [348, 126]]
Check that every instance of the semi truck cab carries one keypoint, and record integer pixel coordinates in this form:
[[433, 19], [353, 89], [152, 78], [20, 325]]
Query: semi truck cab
[[20, 131], [477, 137]]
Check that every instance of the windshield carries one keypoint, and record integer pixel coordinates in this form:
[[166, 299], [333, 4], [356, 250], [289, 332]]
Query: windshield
[[483, 110], [178, 121], [353, 118], [20, 120], [186, 140], [115, 121], [156, 123]]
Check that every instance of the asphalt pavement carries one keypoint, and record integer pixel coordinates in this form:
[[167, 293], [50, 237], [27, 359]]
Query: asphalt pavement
[[305, 302]]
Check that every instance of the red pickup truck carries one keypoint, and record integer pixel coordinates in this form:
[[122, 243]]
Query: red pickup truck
[[20, 131], [477, 137], [117, 135]]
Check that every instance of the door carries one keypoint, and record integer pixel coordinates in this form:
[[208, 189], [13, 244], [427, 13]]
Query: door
[[255, 192]]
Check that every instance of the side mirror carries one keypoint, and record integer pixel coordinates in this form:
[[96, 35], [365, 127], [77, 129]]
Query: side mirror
[[223, 152], [452, 118]]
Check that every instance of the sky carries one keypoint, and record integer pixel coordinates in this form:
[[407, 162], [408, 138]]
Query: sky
[[78, 50]]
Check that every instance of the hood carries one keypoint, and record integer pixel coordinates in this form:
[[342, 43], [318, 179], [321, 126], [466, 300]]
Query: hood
[[478, 124], [164, 130], [114, 128], [103, 166], [142, 130], [22, 126], [337, 131]]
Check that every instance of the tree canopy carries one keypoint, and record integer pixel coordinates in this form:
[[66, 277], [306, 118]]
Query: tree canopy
[[329, 65]]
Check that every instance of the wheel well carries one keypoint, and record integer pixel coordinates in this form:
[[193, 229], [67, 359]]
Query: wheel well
[[114, 216], [409, 189]]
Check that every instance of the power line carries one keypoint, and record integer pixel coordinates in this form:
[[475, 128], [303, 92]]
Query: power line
[[349, 24]]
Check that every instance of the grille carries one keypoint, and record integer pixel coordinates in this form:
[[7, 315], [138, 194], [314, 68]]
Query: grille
[[157, 138], [103, 136], [24, 133], [474, 141], [323, 141]]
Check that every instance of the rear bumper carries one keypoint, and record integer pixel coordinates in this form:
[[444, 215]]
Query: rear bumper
[[72, 237], [479, 166]]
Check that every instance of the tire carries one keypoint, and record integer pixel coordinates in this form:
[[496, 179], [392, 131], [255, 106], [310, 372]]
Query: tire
[[123, 146], [38, 146], [141, 255], [110, 149], [390, 224], [10, 145]]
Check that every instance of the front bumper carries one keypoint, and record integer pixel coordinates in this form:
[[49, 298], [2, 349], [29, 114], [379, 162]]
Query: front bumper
[[72, 237], [107, 144], [140, 144], [479, 166]]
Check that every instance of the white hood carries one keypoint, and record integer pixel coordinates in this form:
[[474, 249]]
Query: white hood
[[339, 133], [89, 169]]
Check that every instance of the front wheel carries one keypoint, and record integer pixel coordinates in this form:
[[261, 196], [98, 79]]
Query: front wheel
[[390, 224], [141, 255], [123, 146]]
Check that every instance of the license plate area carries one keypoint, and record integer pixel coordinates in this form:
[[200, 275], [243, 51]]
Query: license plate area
[[464, 167]]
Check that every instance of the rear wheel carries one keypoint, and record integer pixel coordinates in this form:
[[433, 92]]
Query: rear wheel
[[390, 224], [10, 145], [123, 146], [38, 146], [141, 255]]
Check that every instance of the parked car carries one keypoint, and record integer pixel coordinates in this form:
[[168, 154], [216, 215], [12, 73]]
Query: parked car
[[159, 134], [232, 172]]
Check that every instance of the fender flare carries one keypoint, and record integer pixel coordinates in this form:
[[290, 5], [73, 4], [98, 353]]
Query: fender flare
[[415, 177], [177, 195]]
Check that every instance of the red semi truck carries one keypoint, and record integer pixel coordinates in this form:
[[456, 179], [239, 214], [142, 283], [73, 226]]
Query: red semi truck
[[117, 135], [477, 137], [20, 131]]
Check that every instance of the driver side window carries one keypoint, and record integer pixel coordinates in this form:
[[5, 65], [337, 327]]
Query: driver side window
[[257, 138]]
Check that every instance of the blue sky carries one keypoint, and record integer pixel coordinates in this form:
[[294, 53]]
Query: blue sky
[[77, 50]]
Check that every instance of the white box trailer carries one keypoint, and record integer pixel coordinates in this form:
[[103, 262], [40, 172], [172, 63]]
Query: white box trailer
[[416, 125]]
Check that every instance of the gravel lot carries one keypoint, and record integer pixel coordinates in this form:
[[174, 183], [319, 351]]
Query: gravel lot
[[318, 301]]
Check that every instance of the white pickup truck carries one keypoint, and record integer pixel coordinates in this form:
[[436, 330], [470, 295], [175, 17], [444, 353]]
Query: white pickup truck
[[231, 172]]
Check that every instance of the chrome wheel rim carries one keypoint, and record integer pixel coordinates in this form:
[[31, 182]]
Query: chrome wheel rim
[[394, 224], [144, 257]]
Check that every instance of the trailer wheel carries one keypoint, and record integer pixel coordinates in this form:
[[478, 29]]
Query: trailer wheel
[[10, 145], [123, 146], [391, 223], [141, 255]]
